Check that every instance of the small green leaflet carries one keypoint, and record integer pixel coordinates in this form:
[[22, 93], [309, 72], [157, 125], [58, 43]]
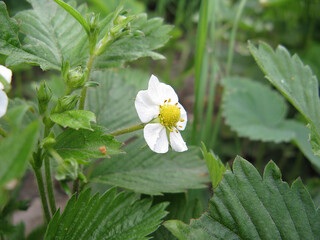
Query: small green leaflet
[[215, 166], [75, 119], [110, 216], [84, 144], [245, 206]]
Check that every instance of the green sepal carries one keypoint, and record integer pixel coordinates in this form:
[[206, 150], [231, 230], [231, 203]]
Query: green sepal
[[92, 84], [48, 142], [37, 158]]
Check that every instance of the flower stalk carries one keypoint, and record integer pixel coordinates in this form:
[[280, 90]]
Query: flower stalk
[[128, 129]]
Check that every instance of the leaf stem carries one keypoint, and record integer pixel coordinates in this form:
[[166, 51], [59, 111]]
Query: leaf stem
[[128, 129], [43, 197]]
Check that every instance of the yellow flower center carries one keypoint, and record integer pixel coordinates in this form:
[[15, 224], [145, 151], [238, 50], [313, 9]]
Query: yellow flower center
[[169, 115]]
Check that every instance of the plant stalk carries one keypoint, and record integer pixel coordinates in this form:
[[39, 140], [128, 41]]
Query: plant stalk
[[43, 197], [49, 185], [128, 129]]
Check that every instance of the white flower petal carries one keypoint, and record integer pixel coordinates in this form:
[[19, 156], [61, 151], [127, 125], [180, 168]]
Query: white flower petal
[[156, 137], [3, 103], [182, 125], [177, 143], [159, 92], [6, 73], [145, 107]]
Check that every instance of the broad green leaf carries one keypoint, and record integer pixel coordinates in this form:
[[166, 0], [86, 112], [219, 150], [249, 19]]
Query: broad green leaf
[[84, 144], [131, 47], [110, 216], [215, 166], [75, 119], [295, 81], [144, 171], [245, 206], [255, 111], [52, 36], [16, 151]]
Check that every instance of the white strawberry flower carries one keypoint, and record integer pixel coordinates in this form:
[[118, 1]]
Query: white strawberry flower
[[5, 75], [165, 116]]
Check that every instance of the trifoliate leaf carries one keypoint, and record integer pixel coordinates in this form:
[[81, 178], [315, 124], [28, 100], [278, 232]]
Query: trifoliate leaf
[[245, 206], [294, 80], [144, 171], [75, 119], [84, 144], [52, 36], [110, 216]]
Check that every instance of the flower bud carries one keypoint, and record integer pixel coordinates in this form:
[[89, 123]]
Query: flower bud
[[67, 170], [44, 95], [48, 142], [76, 78], [66, 103]]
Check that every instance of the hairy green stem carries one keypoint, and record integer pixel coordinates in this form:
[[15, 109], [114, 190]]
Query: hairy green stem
[[128, 129], [43, 197], [48, 176], [84, 89], [233, 36]]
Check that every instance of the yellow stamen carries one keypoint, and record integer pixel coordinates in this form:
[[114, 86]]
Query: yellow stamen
[[181, 120], [176, 104], [176, 131], [169, 100]]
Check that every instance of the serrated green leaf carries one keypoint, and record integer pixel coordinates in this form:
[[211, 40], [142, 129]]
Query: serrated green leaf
[[294, 80], [131, 47], [144, 171], [255, 111], [84, 144], [75, 119], [215, 166], [245, 206], [52, 36], [111, 216]]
